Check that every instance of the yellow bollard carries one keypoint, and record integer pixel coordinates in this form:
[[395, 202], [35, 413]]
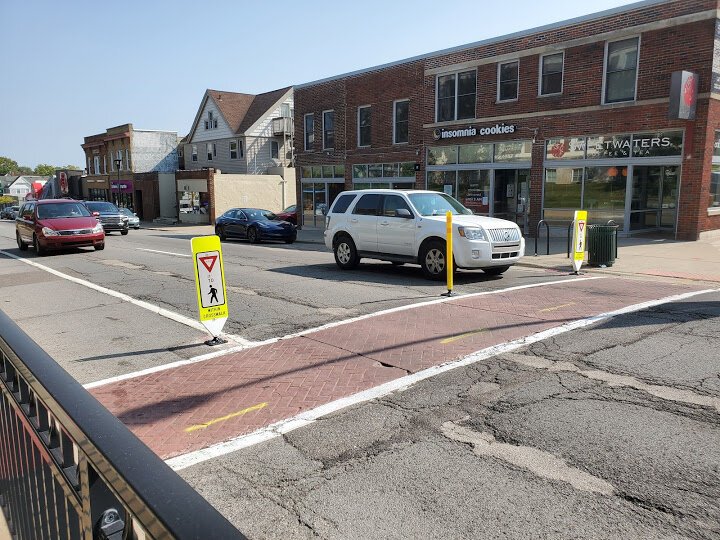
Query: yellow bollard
[[449, 252]]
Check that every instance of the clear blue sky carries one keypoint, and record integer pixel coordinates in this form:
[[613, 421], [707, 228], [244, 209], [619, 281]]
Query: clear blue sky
[[73, 68]]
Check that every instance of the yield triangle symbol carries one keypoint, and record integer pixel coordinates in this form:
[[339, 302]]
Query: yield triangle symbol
[[581, 225], [208, 262]]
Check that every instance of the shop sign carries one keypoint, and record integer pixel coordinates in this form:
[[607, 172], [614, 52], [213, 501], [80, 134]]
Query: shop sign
[[566, 148], [716, 146], [472, 131], [125, 186], [683, 95], [613, 146], [513, 151], [657, 144]]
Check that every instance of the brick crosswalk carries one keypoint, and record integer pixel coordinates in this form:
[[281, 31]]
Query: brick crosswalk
[[193, 406]]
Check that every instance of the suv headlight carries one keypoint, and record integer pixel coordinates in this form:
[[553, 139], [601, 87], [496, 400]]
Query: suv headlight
[[472, 233], [47, 231], [98, 228]]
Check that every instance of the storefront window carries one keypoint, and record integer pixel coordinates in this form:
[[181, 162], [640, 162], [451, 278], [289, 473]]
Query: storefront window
[[565, 148], [604, 194], [407, 170], [442, 181], [359, 171], [306, 172], [375, 170], [390, 170], [474, 190], [476, 153], [715, 186], [563, 187], [513, 151], [442, 155], [615, 146], [339, 171], [317, 171], [327, 171]]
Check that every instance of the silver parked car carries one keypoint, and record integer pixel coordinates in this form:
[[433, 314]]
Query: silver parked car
[[9, 212], [133, 219]]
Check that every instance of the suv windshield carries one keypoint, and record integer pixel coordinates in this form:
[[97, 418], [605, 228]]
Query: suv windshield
[[436, 204], [127, 212], [61, 210], [106, 207]]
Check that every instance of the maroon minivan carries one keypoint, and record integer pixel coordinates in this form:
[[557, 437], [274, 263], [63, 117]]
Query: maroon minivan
[[57, 224]]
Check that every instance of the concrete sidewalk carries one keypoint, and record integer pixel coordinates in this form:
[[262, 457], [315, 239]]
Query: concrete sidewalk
[[645, 256]]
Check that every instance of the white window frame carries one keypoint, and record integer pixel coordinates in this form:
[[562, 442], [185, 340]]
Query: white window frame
[[230, 149], [119, 156], [517, 92], [194, 153], [323, 129], [358, 126], [540, 74], [210, 147], [307, 145], [96, 163], [637, 70], [104, 164], [127, 160], [276, 143], [406, 100]]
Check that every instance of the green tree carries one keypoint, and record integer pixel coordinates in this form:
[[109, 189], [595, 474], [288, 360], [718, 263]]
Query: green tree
[[7, 199], [7, 165], [23, 170], [71, 168], [44, 170]]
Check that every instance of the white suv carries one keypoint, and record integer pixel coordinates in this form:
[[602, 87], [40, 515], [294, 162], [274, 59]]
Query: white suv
[[408, 226]]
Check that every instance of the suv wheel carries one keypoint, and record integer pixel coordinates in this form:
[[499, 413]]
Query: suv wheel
[[22, 245], [124, 231], [346, 256], [433, 260]]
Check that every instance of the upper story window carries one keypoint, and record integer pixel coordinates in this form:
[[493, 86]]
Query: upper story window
[[104, 164], [621, 67], [97, 164], [364, 125], [194, 152], [233, 149], [400, 121], [456, 96], [119, 159], [309, 122], [211, 121], [328, 129], [274, 150], [508, 77], [551, 74], [127, 160], [211, 151], [285, 110]]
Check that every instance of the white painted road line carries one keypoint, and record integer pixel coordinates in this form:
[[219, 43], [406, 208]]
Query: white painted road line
[[187, 321], [249, 345], [308, 417], [166, 252]]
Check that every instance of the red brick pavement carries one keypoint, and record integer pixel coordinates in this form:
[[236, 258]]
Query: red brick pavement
[[301, 373]]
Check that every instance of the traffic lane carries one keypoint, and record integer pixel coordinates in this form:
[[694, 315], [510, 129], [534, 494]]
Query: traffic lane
[[273, 290], [93, 336], [671, 345], [516, 443]]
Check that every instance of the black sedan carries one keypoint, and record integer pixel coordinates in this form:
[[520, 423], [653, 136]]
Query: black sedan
[[254, 224]]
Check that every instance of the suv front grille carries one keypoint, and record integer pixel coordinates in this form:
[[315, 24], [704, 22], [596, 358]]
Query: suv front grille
[[504, 235]]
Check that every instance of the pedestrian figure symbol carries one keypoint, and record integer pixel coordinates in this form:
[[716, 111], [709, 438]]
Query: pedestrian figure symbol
[[213, 294]]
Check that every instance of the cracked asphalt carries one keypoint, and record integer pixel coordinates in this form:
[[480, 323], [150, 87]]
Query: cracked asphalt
[[511, 447]]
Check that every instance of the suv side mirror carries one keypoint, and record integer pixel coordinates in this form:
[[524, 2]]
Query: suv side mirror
[[403, 213]]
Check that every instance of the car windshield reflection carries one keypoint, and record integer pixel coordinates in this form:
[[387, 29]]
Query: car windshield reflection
[[437, 204], [62, 210]]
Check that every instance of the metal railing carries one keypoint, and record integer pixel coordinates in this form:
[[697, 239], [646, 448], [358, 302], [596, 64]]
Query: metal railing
[[547, 236], [70, 470]]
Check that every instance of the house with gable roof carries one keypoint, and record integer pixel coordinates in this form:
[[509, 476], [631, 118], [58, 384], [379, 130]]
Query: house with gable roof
[[241, 133], [239, 153]]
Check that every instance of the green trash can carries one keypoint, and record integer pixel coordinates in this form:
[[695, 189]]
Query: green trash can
[[601, 244]]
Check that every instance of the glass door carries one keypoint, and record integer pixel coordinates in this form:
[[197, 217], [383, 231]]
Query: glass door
[[654, 197], [668, 197], [308, 205]]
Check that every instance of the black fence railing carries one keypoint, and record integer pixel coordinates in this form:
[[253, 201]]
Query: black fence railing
[[70, 470]]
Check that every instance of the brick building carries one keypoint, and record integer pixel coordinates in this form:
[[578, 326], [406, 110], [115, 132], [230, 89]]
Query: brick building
[[536, 124]]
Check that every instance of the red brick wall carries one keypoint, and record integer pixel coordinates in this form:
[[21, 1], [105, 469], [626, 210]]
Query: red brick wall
[[689, 47]]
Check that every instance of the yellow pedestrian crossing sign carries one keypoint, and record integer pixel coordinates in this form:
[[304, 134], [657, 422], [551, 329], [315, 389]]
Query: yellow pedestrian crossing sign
[[210, 283], [579, 236]]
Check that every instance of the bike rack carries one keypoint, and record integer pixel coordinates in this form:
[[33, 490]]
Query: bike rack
[[537, 233]]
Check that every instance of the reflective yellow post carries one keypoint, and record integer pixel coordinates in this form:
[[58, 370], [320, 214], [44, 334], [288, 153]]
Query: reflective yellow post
[[449, 252]]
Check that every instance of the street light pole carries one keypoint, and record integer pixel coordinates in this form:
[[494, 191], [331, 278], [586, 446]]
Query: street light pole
[[118, 162]]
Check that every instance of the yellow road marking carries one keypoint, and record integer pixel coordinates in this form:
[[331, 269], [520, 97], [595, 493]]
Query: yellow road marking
[[223, 418], [557, 307], [461, 336]]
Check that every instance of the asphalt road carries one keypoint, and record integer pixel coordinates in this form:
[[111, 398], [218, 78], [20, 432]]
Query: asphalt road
[[612, 431], [273, 290]]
